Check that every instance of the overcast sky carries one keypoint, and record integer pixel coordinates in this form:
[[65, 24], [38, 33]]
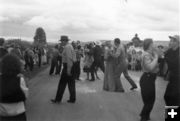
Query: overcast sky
[[90, 20]]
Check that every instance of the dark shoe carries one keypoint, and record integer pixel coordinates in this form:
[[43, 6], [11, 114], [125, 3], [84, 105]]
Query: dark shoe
[[142, 119], [122, 91], [55, 101], [92, 80], [145, 119], [78, 79], [71, 101], [132, 88]]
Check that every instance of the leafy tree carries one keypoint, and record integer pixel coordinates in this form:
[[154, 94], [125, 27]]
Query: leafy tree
[[40, 37]]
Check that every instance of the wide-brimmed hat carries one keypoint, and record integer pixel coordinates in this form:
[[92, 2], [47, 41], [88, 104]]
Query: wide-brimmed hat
[[175, 37], [64, 38]]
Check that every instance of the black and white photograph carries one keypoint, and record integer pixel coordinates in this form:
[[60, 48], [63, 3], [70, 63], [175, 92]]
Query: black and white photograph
[[89, 60]]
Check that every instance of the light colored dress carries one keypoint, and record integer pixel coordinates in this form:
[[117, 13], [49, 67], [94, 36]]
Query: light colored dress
[[109, 83], [88, 60], [120, 63]]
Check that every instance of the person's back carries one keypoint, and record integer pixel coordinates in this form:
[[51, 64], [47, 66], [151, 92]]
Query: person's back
[[55, 54], [97, 52]]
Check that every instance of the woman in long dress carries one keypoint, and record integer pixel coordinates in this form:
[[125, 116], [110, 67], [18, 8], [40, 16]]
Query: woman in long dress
[[119, 64], [109, 84]]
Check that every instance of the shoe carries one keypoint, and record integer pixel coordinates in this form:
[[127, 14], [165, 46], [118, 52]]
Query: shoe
[[132, 88], [71, 101], [142, 119], [145, 119], [92, 80], [55, 101], [78, 79], [120, 91]]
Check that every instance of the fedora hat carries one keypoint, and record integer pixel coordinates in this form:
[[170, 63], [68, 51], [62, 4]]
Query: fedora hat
[[64, 38]]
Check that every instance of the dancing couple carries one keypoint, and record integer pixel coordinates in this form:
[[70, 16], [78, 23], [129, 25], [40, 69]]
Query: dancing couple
[[116, 64]]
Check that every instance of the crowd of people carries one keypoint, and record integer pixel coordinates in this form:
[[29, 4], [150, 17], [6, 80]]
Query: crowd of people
[[14, 62], [112, 59]]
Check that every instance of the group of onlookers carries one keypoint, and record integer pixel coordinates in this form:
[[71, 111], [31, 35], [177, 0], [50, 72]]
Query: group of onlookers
[[13, 89], [134, 59], [35, 56]]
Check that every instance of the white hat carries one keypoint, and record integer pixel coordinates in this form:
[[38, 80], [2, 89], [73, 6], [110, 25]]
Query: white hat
[[176, 37]]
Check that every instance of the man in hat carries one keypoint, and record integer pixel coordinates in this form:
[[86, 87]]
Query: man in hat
[[67, 76], [172, 93]]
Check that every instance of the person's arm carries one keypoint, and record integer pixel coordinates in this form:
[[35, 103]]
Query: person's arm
[[23, 86], [150, 65]]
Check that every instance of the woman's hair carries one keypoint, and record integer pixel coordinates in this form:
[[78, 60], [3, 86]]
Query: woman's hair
[[11, 66], [147, 42]]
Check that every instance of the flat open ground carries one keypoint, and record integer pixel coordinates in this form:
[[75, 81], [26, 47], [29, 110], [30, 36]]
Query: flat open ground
[[93, 104]]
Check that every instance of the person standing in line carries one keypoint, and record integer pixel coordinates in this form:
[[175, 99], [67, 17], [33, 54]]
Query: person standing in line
[[14, 91], [88, 60], [54, 60], [172, 93], [31, 56], [79, 55], [67, 76], [39, 56], [147, 80]]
